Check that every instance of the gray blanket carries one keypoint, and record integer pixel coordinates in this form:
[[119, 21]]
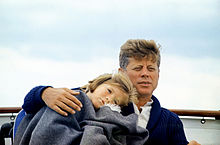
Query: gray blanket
[[87, 127]]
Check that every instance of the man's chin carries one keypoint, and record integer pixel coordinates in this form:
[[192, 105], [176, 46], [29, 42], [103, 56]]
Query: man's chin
[[144, 93]]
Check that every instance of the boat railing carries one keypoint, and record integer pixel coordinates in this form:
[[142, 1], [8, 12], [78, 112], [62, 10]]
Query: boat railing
[[180, 112], [200, 125], [9, 109], [197, 113]]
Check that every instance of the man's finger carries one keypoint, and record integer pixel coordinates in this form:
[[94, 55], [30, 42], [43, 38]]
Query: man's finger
[[69, 103], [64, 108], [58, 110], [73, 99], [72, 91]]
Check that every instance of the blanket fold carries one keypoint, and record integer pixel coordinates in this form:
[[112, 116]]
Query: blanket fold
[[87, 127]]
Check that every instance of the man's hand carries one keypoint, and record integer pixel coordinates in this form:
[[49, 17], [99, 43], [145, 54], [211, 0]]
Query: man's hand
[[193, 142], [61, 100]]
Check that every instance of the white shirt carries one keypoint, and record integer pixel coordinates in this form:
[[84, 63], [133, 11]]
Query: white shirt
[[144, 115]]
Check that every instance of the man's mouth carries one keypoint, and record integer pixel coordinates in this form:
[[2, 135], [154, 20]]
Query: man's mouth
[[144, 82]]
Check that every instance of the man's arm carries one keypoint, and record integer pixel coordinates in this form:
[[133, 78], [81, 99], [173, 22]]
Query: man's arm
[[33, 101], [62, 100], [177, 132]]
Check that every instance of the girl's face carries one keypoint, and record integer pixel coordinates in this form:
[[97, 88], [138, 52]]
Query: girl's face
[[108, 94]]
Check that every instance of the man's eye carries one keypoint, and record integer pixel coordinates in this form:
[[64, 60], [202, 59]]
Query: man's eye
[[137, 68], [151, 69]]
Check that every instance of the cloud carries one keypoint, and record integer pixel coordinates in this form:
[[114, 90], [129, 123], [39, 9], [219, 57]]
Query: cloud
[[189, 83], [67, 43], [185, 83], [20, 72], [65, 25]]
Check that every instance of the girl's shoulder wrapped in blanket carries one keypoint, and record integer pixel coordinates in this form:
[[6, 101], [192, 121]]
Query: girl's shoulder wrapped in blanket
[[87, 127]]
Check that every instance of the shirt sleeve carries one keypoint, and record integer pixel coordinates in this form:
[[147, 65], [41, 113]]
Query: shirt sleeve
[[33, 101], [176, 132]]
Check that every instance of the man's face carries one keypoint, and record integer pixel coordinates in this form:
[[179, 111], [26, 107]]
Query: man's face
[[144, 75]]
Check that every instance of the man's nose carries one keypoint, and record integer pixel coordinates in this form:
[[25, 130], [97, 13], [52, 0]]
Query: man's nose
[[145, 72]]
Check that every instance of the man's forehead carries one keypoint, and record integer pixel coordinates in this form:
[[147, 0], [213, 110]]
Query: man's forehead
[[143, 59]]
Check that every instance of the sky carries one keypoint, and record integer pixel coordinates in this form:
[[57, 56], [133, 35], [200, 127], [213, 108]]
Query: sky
[[66, 43]]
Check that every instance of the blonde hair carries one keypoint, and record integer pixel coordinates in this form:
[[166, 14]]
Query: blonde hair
[[138, 49], [120, 80]]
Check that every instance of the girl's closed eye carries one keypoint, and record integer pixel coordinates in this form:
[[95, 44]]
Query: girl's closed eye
[[110, 91]]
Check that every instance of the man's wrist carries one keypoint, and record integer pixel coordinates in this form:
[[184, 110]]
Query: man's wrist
[[45, 92]]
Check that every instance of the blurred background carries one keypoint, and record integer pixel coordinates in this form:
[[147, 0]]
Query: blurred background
[[66, 43]]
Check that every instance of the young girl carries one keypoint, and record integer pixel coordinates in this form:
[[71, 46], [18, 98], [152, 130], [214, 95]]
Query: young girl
[[115, 89], [96, 123]]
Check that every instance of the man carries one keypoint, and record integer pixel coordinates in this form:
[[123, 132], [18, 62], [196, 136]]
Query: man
[[140, 60]]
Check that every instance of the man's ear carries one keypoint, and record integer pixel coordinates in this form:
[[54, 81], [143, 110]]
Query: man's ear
[[121, 70], [158, 73]]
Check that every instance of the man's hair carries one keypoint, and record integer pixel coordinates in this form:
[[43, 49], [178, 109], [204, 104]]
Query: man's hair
[[138, 49], [120, 80]]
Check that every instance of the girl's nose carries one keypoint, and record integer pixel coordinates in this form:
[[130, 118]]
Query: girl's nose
[[107, 99]]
